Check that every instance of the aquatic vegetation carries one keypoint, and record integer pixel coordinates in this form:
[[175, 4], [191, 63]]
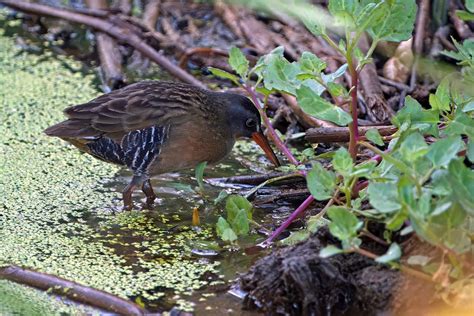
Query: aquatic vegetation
[[54, 216]]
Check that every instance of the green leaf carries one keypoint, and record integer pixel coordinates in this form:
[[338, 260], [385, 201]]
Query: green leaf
[[462, 125], [371, 15], [279, 74], [384, 196], [316, 106], [321, 182], [393, 254], [200, 174], [413, 147], [336, 89], [295, 237], [424, 120], [240, 224], [462, 179], [441, 100], [464, 15], [342, 162], [238, 62], [221, 197], [397, 22], [330, 251], [334, 75], [469, 5], [310, 63], [344, 225], [224, 74], [443, 151], [343, 11], [224, 231], [234, 204], [374, 136], [470, 149]]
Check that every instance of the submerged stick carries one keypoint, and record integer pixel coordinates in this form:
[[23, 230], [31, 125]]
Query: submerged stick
[[71, 290]]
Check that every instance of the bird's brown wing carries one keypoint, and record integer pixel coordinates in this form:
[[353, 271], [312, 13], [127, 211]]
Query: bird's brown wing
[[134, 107]]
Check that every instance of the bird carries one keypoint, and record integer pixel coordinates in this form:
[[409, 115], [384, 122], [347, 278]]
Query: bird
[[154, 127]]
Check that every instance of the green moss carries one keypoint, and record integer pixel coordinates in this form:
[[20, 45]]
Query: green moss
[[55, 204]]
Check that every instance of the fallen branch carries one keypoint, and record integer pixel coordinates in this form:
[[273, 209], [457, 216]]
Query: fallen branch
[[377, 107], [341, 134], [109, 54], [72, 290], [122, 34]]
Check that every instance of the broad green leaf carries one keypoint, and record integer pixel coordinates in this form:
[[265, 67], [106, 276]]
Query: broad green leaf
[[224, 74], [443, 151], [469, 5], [310, 63], [342, 162], [321, 182], [224, 231], [424, 120], [234, 204], [397, 23], [240, 223], [461, 179], [463, 124], [336, 89], [374, 136], [330, 251], [316, 106], [441, 100], [370, 15], [384, 196], [468, 107], [343, 11], [200, 174], [413, 147], [470, 149], [344, 225], [238, 62], [393, 254], [280, 74]]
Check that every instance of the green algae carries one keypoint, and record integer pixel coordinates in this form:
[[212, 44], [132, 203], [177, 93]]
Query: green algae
[[55, 205], [16, 299]]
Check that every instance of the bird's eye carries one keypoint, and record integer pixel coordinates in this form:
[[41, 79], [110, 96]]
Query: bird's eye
[[250, 123]]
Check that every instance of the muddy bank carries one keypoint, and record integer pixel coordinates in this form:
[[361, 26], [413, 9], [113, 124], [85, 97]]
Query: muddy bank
[[296, 281]]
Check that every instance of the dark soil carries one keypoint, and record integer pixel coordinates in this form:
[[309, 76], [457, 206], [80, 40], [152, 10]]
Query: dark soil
[[296, 281]]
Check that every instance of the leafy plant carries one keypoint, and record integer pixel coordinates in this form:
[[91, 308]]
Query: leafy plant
[[239, 216], [419, 182]]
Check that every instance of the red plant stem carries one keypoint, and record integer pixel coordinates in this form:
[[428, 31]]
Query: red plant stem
[[353, 128], [289, 220], [270, 130]]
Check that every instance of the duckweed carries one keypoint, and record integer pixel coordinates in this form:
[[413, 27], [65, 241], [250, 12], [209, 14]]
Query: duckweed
[[55, 205]]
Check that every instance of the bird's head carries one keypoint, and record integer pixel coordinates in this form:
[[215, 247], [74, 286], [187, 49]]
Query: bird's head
[[245, 122]]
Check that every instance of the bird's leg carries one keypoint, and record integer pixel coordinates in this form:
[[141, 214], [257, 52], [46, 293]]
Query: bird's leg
[[127, 192], [149, 193]]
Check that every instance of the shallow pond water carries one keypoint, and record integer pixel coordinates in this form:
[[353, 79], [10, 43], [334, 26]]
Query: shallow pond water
[[60, 209]]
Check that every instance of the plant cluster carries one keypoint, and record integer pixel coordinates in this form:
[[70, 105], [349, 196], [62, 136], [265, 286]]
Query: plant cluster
[[418, 180]]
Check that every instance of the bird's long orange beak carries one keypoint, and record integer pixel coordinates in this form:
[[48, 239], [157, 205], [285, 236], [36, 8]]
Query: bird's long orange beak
[[262, 141]]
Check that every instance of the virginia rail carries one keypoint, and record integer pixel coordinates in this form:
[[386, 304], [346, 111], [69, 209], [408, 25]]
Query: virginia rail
[[155, 127]]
